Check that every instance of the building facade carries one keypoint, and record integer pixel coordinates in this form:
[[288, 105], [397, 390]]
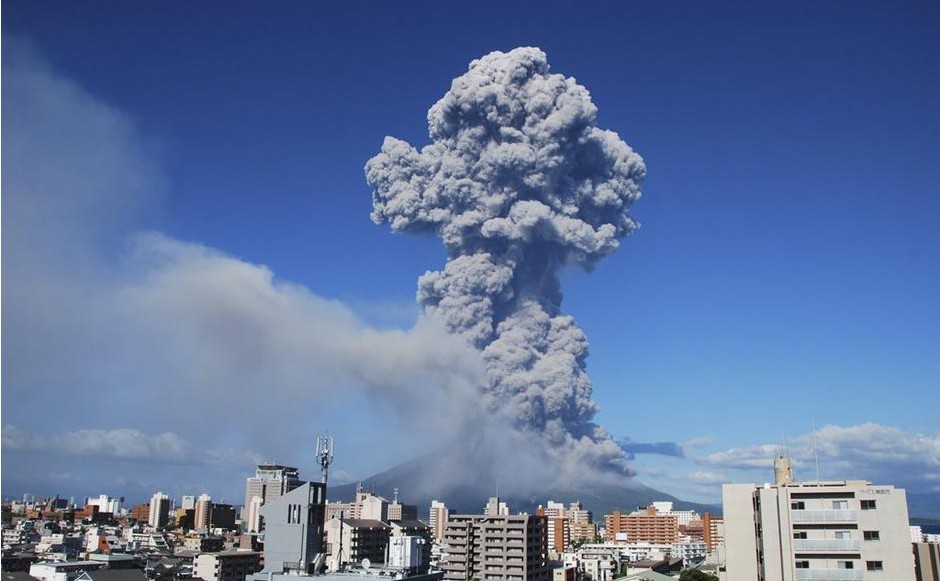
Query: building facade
[[294, 529], [270, 482], [496, 547], [226, 565], [438, 519], [159, 510], [927, 561], [641, 526], [352, 540], [844, 530]]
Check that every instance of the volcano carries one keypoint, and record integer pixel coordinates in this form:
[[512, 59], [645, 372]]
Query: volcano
[[415, 488]]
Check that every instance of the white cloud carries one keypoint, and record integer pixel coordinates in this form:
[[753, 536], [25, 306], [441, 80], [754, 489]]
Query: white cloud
[[123, 444], [699, 442], [879, 453], [103, 323], [707, 477]]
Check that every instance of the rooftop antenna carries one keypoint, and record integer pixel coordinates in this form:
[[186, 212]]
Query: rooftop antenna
[[325, 454], [396, 495], [815, 453]]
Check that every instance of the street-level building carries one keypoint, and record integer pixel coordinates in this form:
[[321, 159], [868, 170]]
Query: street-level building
[[226, 565]]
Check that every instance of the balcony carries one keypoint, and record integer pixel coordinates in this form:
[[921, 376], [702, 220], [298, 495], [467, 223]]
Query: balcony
[[829, 575], [824, 516], [828, 545]]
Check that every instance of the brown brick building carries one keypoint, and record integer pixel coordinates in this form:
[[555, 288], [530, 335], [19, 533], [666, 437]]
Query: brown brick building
[[646, 525]]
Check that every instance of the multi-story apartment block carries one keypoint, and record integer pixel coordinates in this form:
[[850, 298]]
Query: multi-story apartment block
[[271, 481], [438, 519], [417, 534], [496, 547], [141, 512], [642, 526], [791, 531], [226, 565], [106, 503], [713, 531], [352, 540], [203, 512], [159, 510], [582, 532], [399, 511], [684, 517], [599, 563]]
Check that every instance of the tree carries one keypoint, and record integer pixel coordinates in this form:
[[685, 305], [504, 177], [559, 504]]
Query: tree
[[696, 575]]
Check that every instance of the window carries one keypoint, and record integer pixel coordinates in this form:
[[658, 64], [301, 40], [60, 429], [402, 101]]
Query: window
[[799, 535], [800, 505], [840, 505], [802, 564], [846, 565], [843, 534], [874, 565], [871, 535], [868, 505]]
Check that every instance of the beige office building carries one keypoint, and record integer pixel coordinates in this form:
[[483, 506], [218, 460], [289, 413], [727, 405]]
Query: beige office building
[[825, 531]]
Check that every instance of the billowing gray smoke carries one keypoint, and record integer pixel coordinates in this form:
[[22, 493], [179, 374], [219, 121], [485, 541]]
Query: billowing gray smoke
[[518, 181]]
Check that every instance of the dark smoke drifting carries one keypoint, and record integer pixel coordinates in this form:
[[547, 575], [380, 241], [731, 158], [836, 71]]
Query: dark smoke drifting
[[518, 181]]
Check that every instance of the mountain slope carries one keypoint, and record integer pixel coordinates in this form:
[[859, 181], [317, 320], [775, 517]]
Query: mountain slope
[[601, 498]]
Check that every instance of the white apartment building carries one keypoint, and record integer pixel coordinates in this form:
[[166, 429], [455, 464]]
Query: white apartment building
[[839, 531], [683, 517], [159, 510], [106, 503]]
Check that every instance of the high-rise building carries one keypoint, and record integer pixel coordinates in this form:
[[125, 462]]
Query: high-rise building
[[845, 530], [106, 503], [252, 512], [713, 531], [188, 503], [496, 546], [294, 529], [398, 511], [438, 519], [271, 481], [495, 507], [201, 519], [646, 525], [159, 513]]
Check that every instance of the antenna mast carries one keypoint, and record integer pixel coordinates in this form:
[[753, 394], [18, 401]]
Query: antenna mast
[[815, 453], [325, 454]]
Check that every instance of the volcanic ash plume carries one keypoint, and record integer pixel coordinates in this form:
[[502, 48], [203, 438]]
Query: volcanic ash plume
[[518, 181]]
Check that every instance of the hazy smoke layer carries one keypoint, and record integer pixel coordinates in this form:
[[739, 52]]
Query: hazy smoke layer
[[518, 181]]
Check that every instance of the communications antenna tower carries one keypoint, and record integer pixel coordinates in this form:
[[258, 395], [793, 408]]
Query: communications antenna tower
[[325, 454]]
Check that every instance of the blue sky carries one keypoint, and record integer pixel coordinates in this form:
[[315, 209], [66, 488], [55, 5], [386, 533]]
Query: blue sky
[[787, 268]]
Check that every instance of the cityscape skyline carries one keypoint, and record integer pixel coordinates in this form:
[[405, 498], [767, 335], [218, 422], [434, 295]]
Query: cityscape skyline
[[195, 287]]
